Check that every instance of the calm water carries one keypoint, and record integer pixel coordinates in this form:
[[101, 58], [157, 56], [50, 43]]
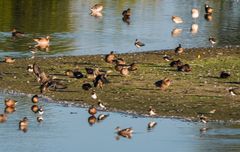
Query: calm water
[[74, 32], [66, 128]]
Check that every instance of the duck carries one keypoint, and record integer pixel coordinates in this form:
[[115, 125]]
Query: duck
[[208, 9], [127, 132], [86, 86], [9, 59], [93, 95], [16, 33], [40, 111], [102, 117], [176, 32], [195, 13], [109, 58], [194, 28], [126, 13], [23, 124], [203, 119], [100, 80], [167, 57], [35, 108], [52, 85], [92, 120], [163, 84], [176, 63], [124, 71], [101, 105], [3, 118], [179, 49], [30, 68], [151, 124], [120, 61], [224, 74], [39, 119], [74, 74], [96, 14], [42, 40], [138, 43], [177, 19], [92, 110], [212, 40], [35, 99], [89, 70], [96, 8], [234, 91], [132, 67], [184, 68], [151, 111], [10, 102], [9, 110]]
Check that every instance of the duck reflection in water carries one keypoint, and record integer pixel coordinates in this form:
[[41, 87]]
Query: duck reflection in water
[[92, 120], [126, 133]]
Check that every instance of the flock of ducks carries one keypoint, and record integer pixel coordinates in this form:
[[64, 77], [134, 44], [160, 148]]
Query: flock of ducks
[[48, 83]]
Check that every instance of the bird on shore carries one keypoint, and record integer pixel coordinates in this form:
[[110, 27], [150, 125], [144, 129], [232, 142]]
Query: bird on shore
[[177, 19], [92, 110], [184, 68], [101, 105], [179, 49], [43, 41], [109, 58], [151, 111], [96, 8], [16, 33], [138, 43], [74, 74], [9, 59], [10, 102], [234, 91], [127, 132], [100, 80], [176, 63], [163, 84], [93, 95], [151, 124], [86, 86], [3, 118], [208, 9], [224, 74], [124, 71], [195, 13]]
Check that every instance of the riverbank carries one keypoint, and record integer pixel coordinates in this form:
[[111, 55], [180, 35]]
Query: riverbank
[[190, 93]]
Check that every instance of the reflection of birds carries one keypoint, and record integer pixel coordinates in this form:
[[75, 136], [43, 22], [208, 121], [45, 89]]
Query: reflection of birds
[[138, 43], [177, 19], [40, 111], [194, 28], [35, 108], [39, 118], [96, 8], [9, 59], [212, 40], [96, 14], [16, 33], [3, 118], [92, 120], [9, 110], [224, 74], [152, 124], [127, 132], [42, 40], [92, 110], [163, 84], [208, 17], [208, 9], [176, 32], [10, 103], [179, 49], [126, 13], [234, 91], [184, 68], [195, 13]]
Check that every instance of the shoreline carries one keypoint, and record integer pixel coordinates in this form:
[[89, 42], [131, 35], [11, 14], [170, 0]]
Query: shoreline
[[188, 95]]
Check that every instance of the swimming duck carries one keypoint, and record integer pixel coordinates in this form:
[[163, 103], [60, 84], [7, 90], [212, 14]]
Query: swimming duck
[[92, 110], [163, 84], [224, 74], [126, 13], [10, 103], [101, 105], [234, 91], [86, 86], [138, 43], [176, 63], [127, 132], [152, 124], [179, 49], [208, 9], [94, 95], [203, 119], [195, 13], [212, 40], [92, 120], [124, 71], [110, 57], [97, 8], [40, 111], [102, 117], [3, 118], [208, 17], [42, 41], [9, 59], [184, 68], [23, 124], [35, 99], [35, 108], [151, 111], [9, 110], [16, 33], [177, 19], [39, 119], [176, 32]]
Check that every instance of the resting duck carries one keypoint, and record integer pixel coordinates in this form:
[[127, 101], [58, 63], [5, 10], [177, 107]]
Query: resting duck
[[152, 124], [234, 91], [208, 9], [179, 49], [10, 103], [124, 71], [92, 110], [3, 118], [102, 106], [176, 63], [163, 84], [102, 117], [100, 80], [74, 74], [177, 19], [35, 99], [224, 74], [96, 8], [212, 40], [127, 132], [43, 40], [126, 13], [184, 68], [167, 58], [138, 43], [16, 33], [110, 57], [132, 67], [93, 95], [8, 59], [86, 86]]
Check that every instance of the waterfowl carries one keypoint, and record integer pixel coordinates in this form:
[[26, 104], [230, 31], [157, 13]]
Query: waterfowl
[[163, 84], [167, 58], [30, 68], [208, 9], [74, 74], [10, 103], [92, 120], [195, 13], [102, 117], [35, 108], [35, 99], [194, 28], [101, 105], [44, 41], [100, 80], [3, 118], [110, 57], [16, 33], [176, 32], [23, 124], [124, 71], [212, 40], [89, 70], [86, 86], [177, 19], [184, 68], [234, 91], [9, 110], [39, 118], [152, 124], [224, 74], [96, 14], [9, 59], [92, 110], [179, 49], [40, 111], [52, 85], [126, 13], [151, 111], [97, 8], [176, 63], [203, 119], [208, 17], [93, 95], [132, 67], [127, 132], [138, 43]]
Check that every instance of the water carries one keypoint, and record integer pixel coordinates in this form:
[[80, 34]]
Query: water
[[66, 128], [74, 32]]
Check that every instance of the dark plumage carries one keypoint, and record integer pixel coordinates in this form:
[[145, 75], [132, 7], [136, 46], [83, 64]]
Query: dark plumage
[[89, 70], [16, 33], [100, 80], [184, 68], [176, 63], [126, 13], [139, 44], [224, 74], [86, 86]]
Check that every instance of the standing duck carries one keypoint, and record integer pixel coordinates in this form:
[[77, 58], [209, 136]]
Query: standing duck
[[110, 57], [179, 49]]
